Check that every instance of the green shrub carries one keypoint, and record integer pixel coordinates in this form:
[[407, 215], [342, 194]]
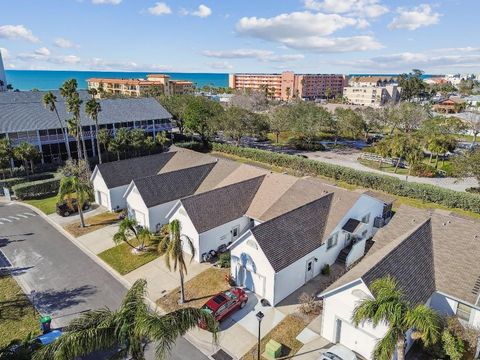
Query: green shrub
[[473, 190], [326, 269], [9, 183], [301, 144], [388, 184], [36, 189], [423, 170], [224, 260], [194, 145]]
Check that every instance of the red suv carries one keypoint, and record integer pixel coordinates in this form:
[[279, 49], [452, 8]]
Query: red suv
[[224, 303]]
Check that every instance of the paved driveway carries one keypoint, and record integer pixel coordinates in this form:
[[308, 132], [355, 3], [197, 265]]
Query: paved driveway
[[65, 279]]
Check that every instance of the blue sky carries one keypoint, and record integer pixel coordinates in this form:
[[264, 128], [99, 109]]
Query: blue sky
[[321, 36]]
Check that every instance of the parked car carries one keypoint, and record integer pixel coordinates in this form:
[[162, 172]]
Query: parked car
[[225, 303], [338, 352], [66, 208]]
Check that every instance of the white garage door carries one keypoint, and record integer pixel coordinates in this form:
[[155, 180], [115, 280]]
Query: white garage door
[[252, 281], [139, 217], [102, 199], [355, 339]]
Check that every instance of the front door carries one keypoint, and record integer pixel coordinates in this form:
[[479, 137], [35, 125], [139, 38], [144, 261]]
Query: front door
[[310, 269]]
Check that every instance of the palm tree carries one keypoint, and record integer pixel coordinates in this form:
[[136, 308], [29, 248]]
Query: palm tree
[[93, 108], [49, 101], [130, 328], [103, 138], [172, 247], [129, 229], [26, 153], [388, 306], [81, 188]]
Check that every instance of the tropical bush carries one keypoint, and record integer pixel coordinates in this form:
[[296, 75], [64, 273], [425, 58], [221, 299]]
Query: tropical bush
[[194, 145], [36, 189], [224, 260], [423, 170], [392, 185]]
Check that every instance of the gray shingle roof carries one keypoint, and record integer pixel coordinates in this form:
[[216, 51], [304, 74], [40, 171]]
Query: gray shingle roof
[[219, 206], [165, 187], [24, 110], [418, 244], [118, 173], [291, 236]]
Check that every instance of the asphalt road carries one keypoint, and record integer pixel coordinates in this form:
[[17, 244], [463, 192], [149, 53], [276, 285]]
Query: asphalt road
[[64, 279]]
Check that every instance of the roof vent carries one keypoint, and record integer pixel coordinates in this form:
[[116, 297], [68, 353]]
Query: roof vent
[[444, 224], [476, 286], [413, 221]]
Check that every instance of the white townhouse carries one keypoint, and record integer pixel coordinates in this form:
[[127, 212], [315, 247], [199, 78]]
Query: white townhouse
[[310, 225], [110, 180], [216, 217], [434, 259], [150, 199]]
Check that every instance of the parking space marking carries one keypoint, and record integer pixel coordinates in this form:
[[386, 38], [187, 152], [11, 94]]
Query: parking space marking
[[5, 219], [23, 216], [27, 213], [14, 217]]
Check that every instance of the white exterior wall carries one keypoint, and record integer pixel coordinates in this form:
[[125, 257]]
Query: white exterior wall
[[157, 215], [244, 255], [115, 198], [137, 208], [100, 186], [213, 238], [339, 306], [448, 306], [117, 201], [187, 229]]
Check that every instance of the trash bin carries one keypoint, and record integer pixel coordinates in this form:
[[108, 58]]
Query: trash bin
[[45, 322]]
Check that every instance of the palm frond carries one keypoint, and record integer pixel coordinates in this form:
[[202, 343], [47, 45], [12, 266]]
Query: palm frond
[[386, 347], [164, 330], [425, 320]]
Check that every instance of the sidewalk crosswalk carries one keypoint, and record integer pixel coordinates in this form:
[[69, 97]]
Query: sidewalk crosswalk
[[16, 217]]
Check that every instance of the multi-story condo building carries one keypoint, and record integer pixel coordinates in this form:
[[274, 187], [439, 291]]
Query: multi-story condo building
[[23, 117], [288, 85], [371, 91], [137, 87]]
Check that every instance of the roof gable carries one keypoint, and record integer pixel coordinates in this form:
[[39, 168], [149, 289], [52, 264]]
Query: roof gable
[[119, 173], [291, 236], [219, 206], [165, 187]]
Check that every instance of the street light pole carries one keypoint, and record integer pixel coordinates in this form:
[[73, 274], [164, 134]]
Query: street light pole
[[259, 316]]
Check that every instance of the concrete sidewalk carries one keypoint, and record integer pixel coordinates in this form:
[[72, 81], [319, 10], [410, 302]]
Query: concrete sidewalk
[[99, 240], [94, 210]]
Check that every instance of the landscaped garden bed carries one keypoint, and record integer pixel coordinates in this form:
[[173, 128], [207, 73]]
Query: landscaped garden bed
[[197, 290], [92, 223]]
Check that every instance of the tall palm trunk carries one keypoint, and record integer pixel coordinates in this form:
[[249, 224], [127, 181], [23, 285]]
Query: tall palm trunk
[[401, 348], [80, 212], [79, 147], [65, 134], [85, 154], [182, 288], [98, 144]]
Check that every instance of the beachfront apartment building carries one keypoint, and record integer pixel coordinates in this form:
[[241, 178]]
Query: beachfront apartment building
[[3, 77], [288, 85], [373, 91], [136, 87]]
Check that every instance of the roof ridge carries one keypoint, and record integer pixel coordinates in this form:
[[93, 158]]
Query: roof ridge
[[190, 168]]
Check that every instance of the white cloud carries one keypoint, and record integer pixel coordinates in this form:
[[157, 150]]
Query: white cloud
[[64, 43], [108, 2], [160, 8], [202, 11], [43, 51], [17, 32], [308, 31], [363, 8], [5, 53], [434, 60], [262, 55], [412, 19], [221, 65]]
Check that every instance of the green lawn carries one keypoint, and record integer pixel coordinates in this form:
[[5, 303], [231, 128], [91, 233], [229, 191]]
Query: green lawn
[[46, 205], [442, 165], [121, 258], [18, 318]]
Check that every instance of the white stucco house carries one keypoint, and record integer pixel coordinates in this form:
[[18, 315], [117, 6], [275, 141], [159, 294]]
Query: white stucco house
[[150, 199], [282, 253], [216, 217], [110, 180], [434, 259]]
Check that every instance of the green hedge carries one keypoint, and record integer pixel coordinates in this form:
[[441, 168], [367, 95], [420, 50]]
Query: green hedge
[[36, 189], [9, 183], [389, 184]]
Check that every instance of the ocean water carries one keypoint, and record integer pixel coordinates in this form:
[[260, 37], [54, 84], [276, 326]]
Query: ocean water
[[51, 80]]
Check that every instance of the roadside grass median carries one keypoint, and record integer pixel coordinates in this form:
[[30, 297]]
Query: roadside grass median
[[18, 317], [47, 204], [285, 333], [197, 290], [92, 223], [122, 259]]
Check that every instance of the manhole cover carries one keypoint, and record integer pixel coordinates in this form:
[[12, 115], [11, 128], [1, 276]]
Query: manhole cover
[[4, 261], [221, 355]]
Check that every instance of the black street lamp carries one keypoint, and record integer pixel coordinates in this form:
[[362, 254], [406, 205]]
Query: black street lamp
[[259, 316]]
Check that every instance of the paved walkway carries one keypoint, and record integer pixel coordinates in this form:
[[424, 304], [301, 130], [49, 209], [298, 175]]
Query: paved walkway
[[94, 210], [99, 240], [349, 157]]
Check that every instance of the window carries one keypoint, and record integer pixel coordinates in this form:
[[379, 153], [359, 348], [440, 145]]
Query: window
[[235, 231], [463, 312], [332, 241], [366, 219]]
